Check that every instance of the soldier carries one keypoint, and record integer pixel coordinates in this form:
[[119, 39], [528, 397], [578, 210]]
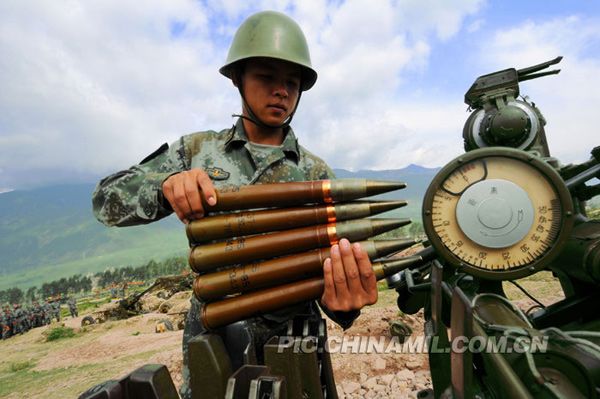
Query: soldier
[[56, 309], [17, 321], [8, 323], [270, 66], [47, 313], [38, 313], [2, 324], [72, 307]]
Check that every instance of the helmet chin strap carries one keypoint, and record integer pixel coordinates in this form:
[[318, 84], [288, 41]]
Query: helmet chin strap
[[256, 120]]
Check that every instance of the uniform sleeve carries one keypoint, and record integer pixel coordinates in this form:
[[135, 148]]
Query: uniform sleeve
[[134, 196]]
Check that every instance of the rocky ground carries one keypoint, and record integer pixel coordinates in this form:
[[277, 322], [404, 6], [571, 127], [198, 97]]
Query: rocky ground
[[34, 368], [380, 375]]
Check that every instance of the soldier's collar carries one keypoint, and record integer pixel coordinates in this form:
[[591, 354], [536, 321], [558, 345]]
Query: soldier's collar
[[237, 134]]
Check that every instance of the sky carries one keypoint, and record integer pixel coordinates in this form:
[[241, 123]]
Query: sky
[[88, 88]]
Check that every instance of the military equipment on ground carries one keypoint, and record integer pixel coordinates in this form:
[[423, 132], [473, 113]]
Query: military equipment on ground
[[238, 224], [503, 211], [282, 195], [165, 286], [252, 276]]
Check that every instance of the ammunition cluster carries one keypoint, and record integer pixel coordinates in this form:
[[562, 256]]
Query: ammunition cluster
[[268, 254]]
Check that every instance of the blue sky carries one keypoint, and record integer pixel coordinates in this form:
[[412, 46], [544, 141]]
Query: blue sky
[[89, 88]]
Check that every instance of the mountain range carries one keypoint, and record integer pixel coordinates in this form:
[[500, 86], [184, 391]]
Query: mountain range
[[50, 232]]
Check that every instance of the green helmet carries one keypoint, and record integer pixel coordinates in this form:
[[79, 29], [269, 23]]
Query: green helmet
[[274, 35]]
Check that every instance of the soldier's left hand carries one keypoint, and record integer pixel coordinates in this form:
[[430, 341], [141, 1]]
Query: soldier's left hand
[[350, 282]]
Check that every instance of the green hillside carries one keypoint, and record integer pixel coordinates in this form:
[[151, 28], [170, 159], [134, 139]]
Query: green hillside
[[50, 232]]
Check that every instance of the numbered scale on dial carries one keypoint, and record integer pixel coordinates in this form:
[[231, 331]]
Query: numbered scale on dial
[[498, 213]]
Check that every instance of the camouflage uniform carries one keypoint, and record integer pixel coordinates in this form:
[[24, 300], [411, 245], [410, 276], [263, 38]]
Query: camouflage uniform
[[2, 324], [72, 307], [134, 196], [56, 310], [8, 323], [47, 313], [17, 320]]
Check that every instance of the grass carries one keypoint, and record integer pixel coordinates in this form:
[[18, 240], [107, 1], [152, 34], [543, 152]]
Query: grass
[[14, 367], [20, 376], [68, 382], [91, 304], [60, 332]]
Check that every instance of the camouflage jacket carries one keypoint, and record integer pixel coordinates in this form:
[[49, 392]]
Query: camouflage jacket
[[134, 196]]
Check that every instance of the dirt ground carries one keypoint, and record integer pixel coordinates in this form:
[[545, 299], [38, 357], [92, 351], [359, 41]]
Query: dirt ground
[[110, 350], [33, 368]]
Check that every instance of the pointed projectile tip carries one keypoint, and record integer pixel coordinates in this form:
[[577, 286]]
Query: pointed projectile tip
[[386, 247], [394, 266], [384, 206], [375, 187], [383, 225]]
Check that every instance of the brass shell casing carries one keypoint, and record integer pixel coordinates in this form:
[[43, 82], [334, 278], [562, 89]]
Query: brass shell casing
[[247, 249], [230, 310], [280, 195], [245, 223], [272, 272]]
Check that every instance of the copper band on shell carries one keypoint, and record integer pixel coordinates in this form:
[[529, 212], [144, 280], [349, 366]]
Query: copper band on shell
[[326, 188], [331, 217], [332, 234]]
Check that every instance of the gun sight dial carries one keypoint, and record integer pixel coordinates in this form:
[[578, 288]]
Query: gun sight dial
[[498, 213]]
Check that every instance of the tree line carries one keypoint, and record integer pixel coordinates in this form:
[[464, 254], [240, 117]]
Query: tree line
[[79, 283], [117, 276]]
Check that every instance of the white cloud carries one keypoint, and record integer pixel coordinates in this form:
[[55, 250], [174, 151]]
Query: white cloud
[[569, 100], [91, 87]]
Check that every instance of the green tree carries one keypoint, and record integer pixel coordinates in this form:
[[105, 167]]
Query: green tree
[[31, 294], [15, 295]]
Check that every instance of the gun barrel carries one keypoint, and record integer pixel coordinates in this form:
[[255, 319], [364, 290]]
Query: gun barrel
[[230, 310], [538, 75], [246, 249], [290, 268], [525, 71], [280, 195], [255, 222]]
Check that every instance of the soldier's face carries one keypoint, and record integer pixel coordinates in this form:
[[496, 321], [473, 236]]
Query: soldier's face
[[271, 88]]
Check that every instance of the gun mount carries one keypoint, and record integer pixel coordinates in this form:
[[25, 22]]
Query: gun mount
[[500, 118], [500, 212]]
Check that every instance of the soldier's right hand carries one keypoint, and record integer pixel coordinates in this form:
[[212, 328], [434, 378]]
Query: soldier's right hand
[[184, 190]]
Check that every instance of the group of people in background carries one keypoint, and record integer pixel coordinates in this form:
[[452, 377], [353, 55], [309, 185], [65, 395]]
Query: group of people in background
[[19, 319]]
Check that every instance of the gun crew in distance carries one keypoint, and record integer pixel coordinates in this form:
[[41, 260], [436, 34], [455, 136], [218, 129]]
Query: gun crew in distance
[[272, 258]]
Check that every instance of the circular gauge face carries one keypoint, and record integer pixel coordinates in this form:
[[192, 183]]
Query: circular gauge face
[[498, 213]]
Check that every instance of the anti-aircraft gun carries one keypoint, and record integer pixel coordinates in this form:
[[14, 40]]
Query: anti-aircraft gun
[[502, 211]]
